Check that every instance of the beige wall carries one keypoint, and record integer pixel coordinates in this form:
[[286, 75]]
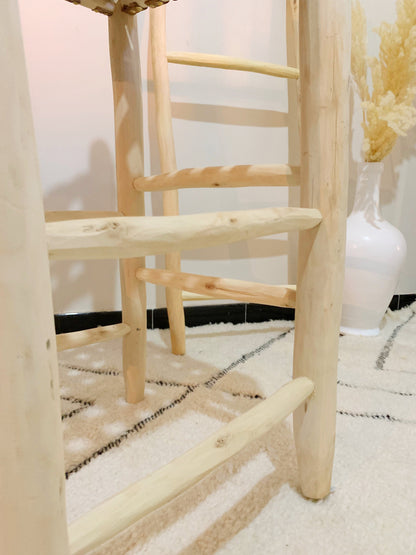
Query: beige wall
[[220, 118]]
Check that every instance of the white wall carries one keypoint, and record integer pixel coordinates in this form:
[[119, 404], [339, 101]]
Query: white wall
[[398, 189], [220, 118]]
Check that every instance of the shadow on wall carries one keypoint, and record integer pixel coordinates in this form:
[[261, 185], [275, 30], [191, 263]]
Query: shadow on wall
[[229, 115], [80, 286], [404, 149]]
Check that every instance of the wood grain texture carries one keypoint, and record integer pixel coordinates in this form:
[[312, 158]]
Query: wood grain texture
[[122, 510], [61, 215], [260, 175], [222, 288], [81, 338], [126, 79], [186, 296], [229, 62], [32, 481], [293, 123], [324, 66], [167, 155], [128, 237]]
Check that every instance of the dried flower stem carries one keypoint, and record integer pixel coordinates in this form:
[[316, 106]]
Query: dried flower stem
[[388, 111]]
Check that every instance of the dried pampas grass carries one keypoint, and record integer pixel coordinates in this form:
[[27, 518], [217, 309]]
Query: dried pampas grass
[[388, 111]]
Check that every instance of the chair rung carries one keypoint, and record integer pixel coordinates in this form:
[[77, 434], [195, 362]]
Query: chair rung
[[141, 498], [221, 176], [62, 215], [186, 296], [222, 288], [130, 237], [229, 62], [81, 338]]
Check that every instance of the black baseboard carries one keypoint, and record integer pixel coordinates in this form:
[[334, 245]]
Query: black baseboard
[[238, 313]]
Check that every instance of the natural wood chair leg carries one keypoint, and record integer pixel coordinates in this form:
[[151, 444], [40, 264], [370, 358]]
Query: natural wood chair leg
[[324, 76], [125, 69], [32, 482], [168, 164]]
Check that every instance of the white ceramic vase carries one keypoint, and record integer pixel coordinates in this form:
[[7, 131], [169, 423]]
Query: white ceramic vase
[[375, 252]]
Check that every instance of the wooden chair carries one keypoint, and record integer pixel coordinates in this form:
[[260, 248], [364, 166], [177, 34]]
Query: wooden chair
[[170, 180], [31, 456]]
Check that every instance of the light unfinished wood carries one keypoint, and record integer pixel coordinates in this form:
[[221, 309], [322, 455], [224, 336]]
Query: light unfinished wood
[[130, 7], [222, 288], [324, 43], [61, 215], [81, 338], [186, 296], [121, 511], [127, 237], [270, 175], [166, 143], [292, 46], [293, 124], [125, 71], [32, 482], [105, 7], [229, 62]]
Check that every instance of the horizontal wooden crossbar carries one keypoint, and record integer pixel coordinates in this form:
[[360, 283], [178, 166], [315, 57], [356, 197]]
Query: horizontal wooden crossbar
[[222, 288], [186, 296], [130, 237], [131, 7], [221, 176], [229, 62], [81, 338], [61, 215], [138, 500]]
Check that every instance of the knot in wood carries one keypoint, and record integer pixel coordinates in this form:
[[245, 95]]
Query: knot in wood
[[222, 441]]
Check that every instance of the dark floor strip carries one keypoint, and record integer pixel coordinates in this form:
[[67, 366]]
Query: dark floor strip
[[235, 313]]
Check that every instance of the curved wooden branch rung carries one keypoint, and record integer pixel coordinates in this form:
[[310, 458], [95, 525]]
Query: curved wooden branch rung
[[81, 338], [222, 288], [130, 237], [256, 175], [141, 498], [230, 62]]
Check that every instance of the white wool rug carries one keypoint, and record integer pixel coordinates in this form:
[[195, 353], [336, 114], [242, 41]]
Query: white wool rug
[[251, 504]]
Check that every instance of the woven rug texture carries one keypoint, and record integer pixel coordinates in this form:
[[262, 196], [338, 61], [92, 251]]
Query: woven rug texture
[[251, 504]]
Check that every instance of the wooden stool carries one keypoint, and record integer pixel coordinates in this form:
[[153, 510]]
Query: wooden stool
[[31, 456]]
